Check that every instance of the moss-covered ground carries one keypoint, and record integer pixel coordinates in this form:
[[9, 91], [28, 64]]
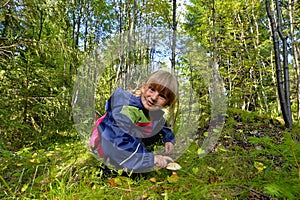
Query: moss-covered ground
[[255, 158]]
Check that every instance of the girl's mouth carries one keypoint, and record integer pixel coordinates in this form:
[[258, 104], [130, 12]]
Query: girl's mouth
[[151, 103]]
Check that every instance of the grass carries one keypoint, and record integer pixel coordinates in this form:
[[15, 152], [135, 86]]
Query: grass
[[251, 161]]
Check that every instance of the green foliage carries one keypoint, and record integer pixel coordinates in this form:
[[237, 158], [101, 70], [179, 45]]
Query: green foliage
[[36, 77], [44, 43], [240, 41], [250, 160]]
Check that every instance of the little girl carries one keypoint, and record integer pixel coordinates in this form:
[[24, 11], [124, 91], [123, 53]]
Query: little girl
[[131, 124]]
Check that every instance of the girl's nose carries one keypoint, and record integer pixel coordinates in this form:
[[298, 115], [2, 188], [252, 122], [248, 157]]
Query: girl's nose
[[155, 96]]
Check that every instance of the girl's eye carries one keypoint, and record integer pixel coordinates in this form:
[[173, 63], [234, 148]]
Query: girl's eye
[[152, 89], [162, 96]]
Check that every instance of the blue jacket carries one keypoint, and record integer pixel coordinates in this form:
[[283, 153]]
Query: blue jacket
[[122, 129]]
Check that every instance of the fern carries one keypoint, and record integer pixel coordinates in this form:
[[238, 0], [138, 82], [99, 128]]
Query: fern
[[283, 189]]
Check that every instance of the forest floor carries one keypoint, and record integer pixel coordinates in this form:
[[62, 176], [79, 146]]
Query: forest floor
[[255, 158]]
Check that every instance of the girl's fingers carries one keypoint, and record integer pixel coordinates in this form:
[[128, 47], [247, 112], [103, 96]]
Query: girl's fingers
[[162, 161], [168, 158], [169, 147]]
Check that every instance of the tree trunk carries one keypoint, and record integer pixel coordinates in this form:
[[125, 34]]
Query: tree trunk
[[285, 64], [295, 56], [174, 37], [283, 90], [86, 27], [120, 15], [78, 28], [41, 25]]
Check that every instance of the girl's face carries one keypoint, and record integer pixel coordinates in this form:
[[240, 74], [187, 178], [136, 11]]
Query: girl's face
[[152, 100]]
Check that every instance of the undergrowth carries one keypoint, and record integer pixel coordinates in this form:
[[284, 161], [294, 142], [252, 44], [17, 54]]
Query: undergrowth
[[255, 158]]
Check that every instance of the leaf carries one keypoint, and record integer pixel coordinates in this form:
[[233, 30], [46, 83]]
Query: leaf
[[120, 171], [173, 178], [173, 166], [145, 195], [153, 180], [215, 130], [222, 149], [120, 180], [200, 151], [195, 170], [16, 174], [212, 169], [112, 182], [19, 164], [49, 154], [259, 166], [24, 188]]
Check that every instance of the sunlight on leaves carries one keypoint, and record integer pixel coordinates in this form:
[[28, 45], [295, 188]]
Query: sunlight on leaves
[[50, 153], [200, 151], [259, 166], [24, 188], [120, 171]]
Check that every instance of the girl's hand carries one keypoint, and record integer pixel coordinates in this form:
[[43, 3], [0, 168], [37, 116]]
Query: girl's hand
[[162, 161], [169, 147]]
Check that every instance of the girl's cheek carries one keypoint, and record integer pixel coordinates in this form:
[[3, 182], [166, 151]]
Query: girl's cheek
[[162, 102]]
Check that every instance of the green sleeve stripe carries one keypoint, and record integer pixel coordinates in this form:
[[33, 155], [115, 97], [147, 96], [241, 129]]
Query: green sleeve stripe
[[134, 114]]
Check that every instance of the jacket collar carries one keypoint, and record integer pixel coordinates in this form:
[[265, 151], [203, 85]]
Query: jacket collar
[[122, 97], [137, 102]]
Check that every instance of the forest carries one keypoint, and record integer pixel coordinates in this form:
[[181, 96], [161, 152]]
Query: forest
[[237, 124]]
